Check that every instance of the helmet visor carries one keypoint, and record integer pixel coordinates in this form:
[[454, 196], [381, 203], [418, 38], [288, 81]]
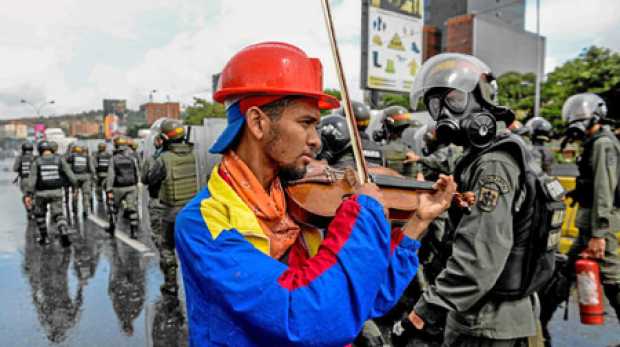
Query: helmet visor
[[455, 71], [583, 106]]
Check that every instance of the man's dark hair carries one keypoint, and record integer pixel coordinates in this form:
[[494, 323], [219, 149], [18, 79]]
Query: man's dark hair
[[275, 109]]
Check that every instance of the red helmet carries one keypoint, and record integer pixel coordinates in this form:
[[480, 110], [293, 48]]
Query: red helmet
[[273, 68]]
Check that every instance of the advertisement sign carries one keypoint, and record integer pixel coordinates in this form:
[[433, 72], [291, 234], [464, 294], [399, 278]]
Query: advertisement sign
[[39, 132], [111, 126], [392, 33]]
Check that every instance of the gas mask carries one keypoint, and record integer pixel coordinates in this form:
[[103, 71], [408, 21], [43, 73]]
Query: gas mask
[[460, 118]]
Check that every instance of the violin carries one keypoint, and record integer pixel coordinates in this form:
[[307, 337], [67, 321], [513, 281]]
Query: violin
[[315, 198]]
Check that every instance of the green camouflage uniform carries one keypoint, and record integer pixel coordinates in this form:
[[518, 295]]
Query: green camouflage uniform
[[480, 244], [175, 171], [125, 196], [395, 153], [83, 170], [156, 209], [51, 195], [101, 162], [601, 217]]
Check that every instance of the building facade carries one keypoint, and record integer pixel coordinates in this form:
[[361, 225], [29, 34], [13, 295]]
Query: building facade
[[154, 111], [492, 30]]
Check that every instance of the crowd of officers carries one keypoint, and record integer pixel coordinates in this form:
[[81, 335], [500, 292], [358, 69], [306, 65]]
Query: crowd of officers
[[467, 258], [55, 181]]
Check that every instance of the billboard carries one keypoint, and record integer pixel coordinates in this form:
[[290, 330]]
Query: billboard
[[110, 126], [114, 111], [392, 33], [39, 132]]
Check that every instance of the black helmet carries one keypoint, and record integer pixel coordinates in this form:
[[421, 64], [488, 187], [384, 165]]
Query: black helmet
[[27, 147], [335, 137], [101, 147], [54, 146], [581, 112], [540, 129], [44, 146], [361, 112]]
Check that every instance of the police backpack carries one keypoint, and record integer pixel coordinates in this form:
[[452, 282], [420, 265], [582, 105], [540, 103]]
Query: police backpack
[[539, 212]]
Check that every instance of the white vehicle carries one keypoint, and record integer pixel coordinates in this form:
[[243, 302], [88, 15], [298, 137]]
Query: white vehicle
[[58, 136]]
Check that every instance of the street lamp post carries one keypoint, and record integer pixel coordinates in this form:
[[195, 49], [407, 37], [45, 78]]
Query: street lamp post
[[40, 107], [538, 62]]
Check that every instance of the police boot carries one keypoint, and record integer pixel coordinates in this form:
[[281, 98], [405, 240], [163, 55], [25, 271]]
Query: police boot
[[64, 236], [43, 238], [134, 231], [169, 289]]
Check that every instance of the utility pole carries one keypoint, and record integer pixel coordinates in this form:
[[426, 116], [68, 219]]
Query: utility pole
[[538, 62]]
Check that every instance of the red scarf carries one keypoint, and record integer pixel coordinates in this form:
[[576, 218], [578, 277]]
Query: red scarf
[[269, 208]]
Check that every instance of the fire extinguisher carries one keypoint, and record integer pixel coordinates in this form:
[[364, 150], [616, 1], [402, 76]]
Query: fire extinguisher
[[590, 292]]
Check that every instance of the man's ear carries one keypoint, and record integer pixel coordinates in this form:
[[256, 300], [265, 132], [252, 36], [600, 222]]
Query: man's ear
[[257, 122]]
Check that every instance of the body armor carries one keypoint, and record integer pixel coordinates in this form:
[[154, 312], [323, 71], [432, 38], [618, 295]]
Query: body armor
[[49, 175], [26, 165], [79, 163], [181, 182], [538, 213], [124, 170], [103, 162]]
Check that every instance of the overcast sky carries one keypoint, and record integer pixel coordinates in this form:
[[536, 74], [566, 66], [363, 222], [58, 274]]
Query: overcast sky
[[78, 52]]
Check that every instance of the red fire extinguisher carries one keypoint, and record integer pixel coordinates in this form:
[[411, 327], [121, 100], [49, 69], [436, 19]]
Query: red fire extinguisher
[[590, 292]]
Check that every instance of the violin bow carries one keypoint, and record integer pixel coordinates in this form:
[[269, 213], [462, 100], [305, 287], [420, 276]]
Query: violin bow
[[356, 143]]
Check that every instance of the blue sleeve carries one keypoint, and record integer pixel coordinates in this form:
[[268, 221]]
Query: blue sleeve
[[401, 270], [258, 300]]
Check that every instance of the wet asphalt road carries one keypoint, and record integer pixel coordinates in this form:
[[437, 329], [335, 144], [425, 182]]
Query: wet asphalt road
[[99, 292], [105, 292]]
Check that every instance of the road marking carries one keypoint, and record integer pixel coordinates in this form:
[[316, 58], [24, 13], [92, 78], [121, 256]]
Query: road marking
[[121, 235]]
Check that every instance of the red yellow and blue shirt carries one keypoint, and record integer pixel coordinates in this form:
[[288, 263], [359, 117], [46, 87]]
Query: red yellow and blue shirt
[[335, 280]]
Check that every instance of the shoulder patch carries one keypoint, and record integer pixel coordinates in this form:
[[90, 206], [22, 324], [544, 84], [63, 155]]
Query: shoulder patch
[[488, 197], [501, 183]]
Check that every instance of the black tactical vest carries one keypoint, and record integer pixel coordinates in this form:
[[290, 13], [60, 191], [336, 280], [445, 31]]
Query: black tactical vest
[[124, 170], [79, 163], [103, 162], [538, 213], [25, 166], [48, 173]]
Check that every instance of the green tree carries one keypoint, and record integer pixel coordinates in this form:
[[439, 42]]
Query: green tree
[[395, 99], [517, 91], [203, 109], [595, 70]]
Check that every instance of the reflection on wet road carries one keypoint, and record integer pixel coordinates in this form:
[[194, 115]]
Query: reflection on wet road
[[98, 292], [104, 291]]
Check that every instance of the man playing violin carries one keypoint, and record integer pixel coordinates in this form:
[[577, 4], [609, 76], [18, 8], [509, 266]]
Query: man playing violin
[[252, 274]]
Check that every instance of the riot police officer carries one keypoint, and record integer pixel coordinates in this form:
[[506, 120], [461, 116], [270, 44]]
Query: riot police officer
[[121, 185], [155, 209], [45, 186], [361, 113], [398, 155], [336, 144], [174, 171], [22, 166], [101, 159], [540, 131], [134, 151], [466, 299], [597, 190], [84, 170]]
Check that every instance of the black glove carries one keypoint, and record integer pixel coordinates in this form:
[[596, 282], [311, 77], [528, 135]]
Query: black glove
[[404, 333]]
